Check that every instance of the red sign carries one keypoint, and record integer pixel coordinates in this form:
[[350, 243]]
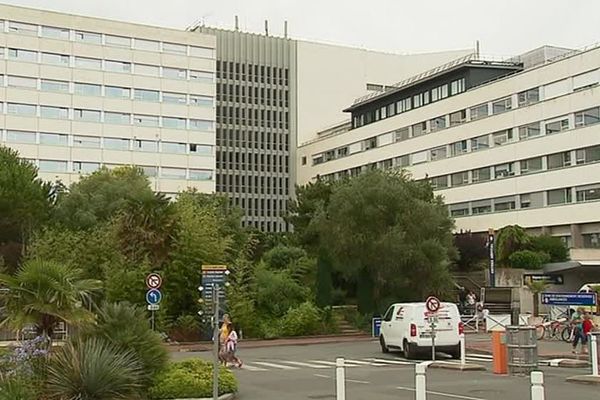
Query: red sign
[[433, 304], [153, 281]]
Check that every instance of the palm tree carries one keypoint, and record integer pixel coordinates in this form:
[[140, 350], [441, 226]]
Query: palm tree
[[43, 293], [537, 287], [510, 239]]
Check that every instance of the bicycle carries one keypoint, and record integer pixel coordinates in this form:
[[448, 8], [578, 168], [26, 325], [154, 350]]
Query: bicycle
[[554, 329]]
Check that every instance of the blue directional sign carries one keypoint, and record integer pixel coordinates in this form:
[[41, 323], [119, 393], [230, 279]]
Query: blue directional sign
[[569, 299], [376, 326], [153, 296]]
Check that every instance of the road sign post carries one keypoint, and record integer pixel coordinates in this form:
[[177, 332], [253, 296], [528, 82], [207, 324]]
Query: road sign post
[[215, 296], [153, 295], [492, 257], [433, 305]]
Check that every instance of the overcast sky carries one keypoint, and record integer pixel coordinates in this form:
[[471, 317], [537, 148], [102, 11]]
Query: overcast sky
[[503, 27]]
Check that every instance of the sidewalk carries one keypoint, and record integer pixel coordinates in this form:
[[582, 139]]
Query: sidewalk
[[254, 343], [482, 343]]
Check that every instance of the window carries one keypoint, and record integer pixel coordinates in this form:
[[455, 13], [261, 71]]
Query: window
[[117, 66], [174, 98], [88, 63], [370, 143], [402, 161], [173, 173], [403, 105], [55, 139], [202, 101], [202, 76], [55, 33], [588, 193], [478, 112], [591, 240], [458, 117], [22, 29], [22, 82], [117, 118], [500, 106], [22, 55], [149, 70], [559, 196], [531, 165], [420, 99], [201, 125], [503, 137], [145, 146], [174, 48], [481, 207], [585, 80], [174, 73], [480, 142], [173, 123], [83, 167], [21, 109], [459, 178], [145, 120], [401, 134], [438, 123], [459, 210], [88, 37], [149, 45], [117, 92], [504, 170], [482, 174], [146, 95], [587, 117], [438, 153], [440, 92], [53, 166], [304, 160], [532, 200], [87, 115], [150, 171], [557, 126], [528, 97], [175, 148], [419, 129], [55, 86], [458, 148], [88, 89], [559, 160], [55, 59], [200, 175], [117, 41], [203, 150], [529, 130], [588, 155], [116, 144], [54, 112], [20, 137], [204, 52], [505, 204], [439, 182], [91, 142], [391, 109], [317, 159], [457, 86]]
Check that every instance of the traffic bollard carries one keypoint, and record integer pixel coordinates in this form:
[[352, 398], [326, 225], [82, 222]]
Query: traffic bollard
[[463, 355], [537, 385], [340, 379], [420, 381], [594, 353]]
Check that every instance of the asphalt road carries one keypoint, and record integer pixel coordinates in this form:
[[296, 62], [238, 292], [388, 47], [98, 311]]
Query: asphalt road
[[307, 372]]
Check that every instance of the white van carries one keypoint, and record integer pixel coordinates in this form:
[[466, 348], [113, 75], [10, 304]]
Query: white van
[[405, 327]]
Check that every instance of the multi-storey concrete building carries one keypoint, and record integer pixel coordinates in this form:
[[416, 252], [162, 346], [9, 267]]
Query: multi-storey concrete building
[[514, 142], [77, 93], [274, 91]]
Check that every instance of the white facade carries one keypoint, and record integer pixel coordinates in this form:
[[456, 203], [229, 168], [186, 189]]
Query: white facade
[[524, 149], [77, 93]]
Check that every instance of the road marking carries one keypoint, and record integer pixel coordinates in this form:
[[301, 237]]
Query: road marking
[[321, 376], [330, 363], [355, 381], [491, 357], [555, 362], [272, 365], [388, 361], [369, 363], [251, 368], [302, 364], [454, 396]]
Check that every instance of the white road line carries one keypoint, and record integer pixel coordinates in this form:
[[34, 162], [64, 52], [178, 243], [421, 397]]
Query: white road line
[[322, 376], [478, 359], [303, 364], [251, 368], [491, 357], [330, 363], [388, 361], [358, 362], [454, 396], [355, 381], [273, 365]]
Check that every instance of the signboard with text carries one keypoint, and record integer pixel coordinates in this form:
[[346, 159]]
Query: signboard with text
[[569, 299], [213, 275], [550, 279]]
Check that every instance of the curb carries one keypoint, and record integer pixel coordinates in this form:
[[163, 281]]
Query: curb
[[227, 396], [585, 379], [569, 363], [457, 366], [549, 356]]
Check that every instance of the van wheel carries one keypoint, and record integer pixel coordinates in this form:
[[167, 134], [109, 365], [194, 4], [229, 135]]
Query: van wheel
[[455, 353], [384, 348], [409, 350]]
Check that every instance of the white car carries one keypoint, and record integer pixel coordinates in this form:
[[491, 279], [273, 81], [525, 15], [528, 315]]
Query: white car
[[405, 327]]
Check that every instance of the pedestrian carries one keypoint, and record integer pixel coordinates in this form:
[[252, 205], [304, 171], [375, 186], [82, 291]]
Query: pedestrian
[[587, 327], [224, 332], [471, 301], [231, 346], [577, 324], [462, 299]]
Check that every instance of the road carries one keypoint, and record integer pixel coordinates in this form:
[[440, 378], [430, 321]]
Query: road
[[307, 372]]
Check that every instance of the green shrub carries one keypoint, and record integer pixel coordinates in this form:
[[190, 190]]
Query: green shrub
[[190, 379], [527, 259], [551, 245], [277, 292], [17, 389], [302, 320]]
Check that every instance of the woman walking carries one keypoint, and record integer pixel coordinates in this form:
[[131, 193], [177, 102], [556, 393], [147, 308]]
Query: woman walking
[[577, 323], [231, 347]]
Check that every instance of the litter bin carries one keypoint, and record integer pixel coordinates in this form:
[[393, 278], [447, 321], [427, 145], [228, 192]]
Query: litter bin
[[521, 343]]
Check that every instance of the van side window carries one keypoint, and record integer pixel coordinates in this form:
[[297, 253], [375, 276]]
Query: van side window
[[388, 315]]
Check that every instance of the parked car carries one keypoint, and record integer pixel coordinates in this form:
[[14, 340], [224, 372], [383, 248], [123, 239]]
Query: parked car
[[405, 327]]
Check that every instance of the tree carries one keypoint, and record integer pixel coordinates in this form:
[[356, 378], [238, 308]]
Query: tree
[[527, 259], [537, 287], [45, 292], [472, 251], [390, 236], [25, 205], [553, 246], [510, 239]]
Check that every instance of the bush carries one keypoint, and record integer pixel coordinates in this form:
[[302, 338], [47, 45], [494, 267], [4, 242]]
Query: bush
[[185, 328], [277, 292], [302, 320], [527, 259], [17, 389], [190, 379], [551, 245]]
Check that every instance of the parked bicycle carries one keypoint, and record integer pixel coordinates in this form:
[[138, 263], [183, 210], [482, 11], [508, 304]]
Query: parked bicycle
[[558, 329]]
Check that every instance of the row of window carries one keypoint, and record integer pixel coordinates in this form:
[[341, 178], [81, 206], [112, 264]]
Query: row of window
[[233, 183], [257, 139], [52, 32], [252, 161], [107, 117], [527, 200], [409, 103], [253, 117], [258, 95], [107, 143], [252, 73], [98, 64], [117, 92], [87, 167]]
